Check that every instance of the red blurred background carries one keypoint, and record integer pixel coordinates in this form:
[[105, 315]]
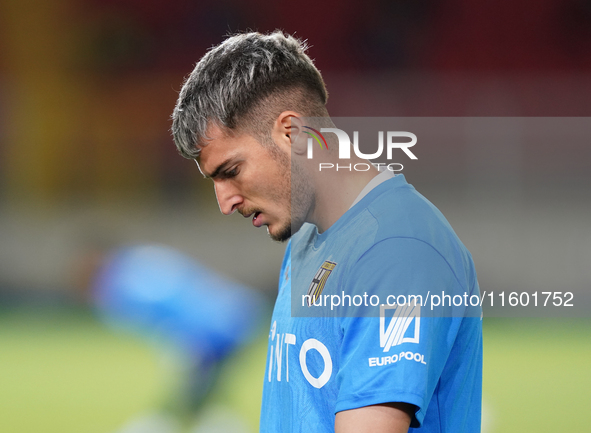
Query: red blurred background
[[87, 87]]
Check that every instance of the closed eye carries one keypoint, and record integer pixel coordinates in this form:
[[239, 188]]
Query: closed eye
[[227, 169], [233, 172]]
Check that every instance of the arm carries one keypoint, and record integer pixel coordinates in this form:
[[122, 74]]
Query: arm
[[381, 418], [371, 369]]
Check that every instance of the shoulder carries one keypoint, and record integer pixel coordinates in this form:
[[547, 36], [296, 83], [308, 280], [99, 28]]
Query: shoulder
[[405, 225], [401, 211]]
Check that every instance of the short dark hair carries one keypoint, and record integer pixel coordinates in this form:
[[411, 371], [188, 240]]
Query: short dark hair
[[244, 83]]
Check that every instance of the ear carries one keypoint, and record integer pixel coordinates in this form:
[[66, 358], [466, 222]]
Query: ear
[[287, 132]]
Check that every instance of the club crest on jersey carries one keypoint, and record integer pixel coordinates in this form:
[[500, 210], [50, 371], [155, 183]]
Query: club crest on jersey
[[319, 281]]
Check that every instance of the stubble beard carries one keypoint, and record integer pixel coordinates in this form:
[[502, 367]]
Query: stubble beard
[[297, 193]]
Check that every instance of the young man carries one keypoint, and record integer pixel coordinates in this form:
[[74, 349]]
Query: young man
[[244, 115]]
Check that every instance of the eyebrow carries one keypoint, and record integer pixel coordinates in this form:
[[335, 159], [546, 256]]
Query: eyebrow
[[218, 169]]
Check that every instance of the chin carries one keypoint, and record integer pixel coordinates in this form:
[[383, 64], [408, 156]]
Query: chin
[[281, 235]]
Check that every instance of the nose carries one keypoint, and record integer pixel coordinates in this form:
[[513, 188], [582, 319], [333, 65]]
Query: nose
[[228, 197]]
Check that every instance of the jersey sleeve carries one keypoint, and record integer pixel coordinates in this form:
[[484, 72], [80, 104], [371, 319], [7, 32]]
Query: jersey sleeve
[[398, 354]]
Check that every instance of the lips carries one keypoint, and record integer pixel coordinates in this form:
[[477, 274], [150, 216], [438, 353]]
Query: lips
[[257, 220]]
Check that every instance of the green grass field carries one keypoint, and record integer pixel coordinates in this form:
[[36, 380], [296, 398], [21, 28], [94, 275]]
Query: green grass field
[[63, 371], [537, 375]]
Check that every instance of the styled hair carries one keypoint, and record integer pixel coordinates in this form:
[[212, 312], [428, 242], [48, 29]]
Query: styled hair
[[244, 84]]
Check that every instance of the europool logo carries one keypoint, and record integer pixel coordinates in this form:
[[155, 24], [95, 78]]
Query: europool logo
[[345, 148], [396, 332]]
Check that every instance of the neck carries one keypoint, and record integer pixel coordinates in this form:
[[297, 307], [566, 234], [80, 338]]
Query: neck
[[335, 192]]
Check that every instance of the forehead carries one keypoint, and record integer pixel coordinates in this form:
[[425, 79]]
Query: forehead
[[222, 147]]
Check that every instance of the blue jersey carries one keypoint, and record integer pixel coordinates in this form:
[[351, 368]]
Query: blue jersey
[[382, 343], [166, 295]]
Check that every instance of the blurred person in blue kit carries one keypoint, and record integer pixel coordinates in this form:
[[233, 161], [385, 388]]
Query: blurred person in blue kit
[[245, 114], [185, 309]]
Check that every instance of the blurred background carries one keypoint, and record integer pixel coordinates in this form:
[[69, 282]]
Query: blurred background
[[88, 170]]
